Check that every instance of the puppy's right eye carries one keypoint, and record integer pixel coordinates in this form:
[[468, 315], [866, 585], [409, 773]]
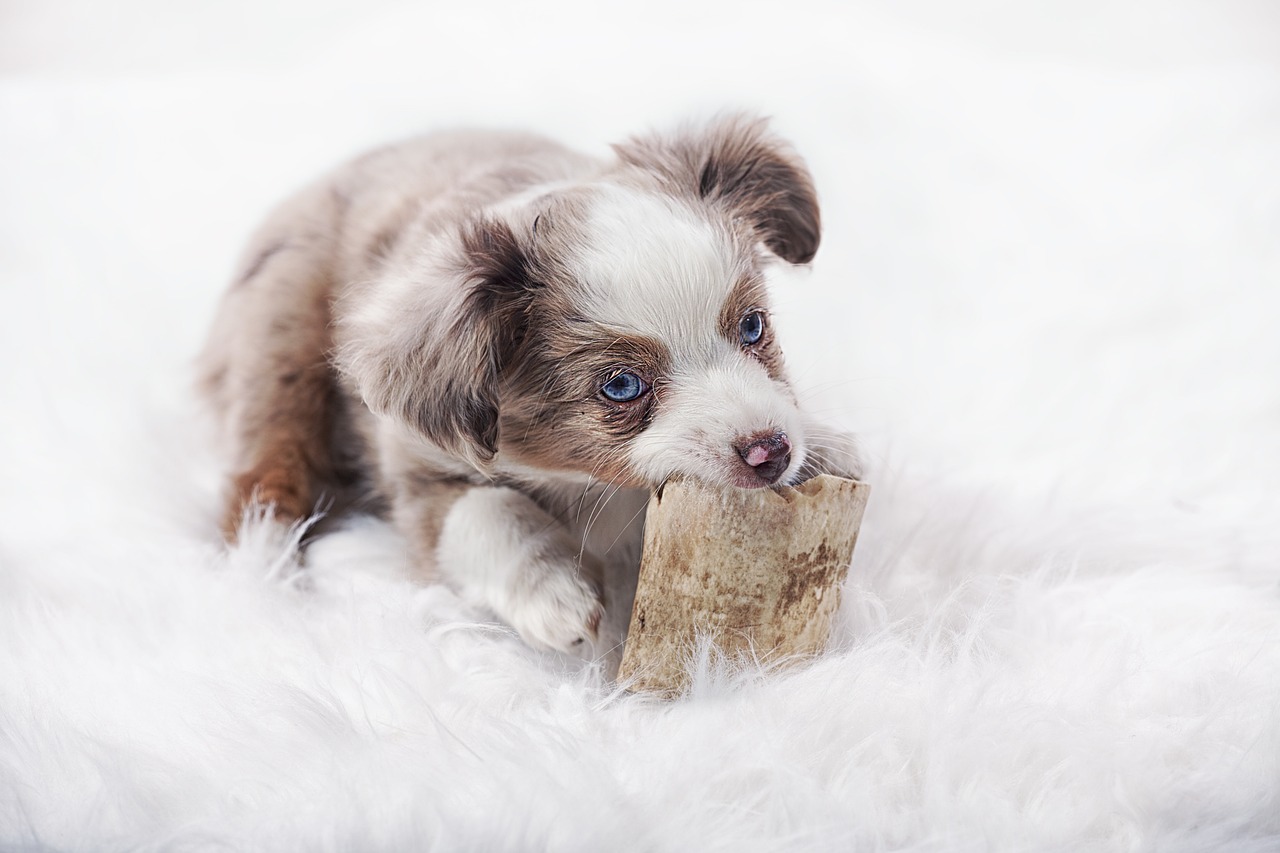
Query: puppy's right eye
[[624, 388]]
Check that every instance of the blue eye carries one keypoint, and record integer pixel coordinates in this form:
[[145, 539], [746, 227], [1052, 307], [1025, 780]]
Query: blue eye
[[624, 388], [751, 329]]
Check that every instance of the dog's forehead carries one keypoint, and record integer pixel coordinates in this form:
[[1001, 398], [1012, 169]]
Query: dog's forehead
[[652, 264]]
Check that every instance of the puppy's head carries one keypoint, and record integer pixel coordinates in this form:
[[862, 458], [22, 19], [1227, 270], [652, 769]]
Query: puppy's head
[[620, 327]]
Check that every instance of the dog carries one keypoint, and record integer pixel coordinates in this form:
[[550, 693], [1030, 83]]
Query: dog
[[497, 338]]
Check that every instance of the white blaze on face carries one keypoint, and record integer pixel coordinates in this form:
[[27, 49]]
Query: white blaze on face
[[655, 268]]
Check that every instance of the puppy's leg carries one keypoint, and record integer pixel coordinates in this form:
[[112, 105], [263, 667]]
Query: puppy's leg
[[498, 548], [268, 365]]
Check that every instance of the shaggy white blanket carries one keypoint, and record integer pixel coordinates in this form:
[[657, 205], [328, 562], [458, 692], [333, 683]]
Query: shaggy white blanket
[[1048, 297]]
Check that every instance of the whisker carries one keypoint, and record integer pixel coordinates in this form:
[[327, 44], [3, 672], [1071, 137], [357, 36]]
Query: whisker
[[606, 496], [624, 527]]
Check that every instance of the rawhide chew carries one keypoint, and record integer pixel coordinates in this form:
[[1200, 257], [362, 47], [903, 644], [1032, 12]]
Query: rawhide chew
[[758, 570]]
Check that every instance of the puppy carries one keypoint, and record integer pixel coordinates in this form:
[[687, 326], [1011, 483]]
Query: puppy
[[500, 338]]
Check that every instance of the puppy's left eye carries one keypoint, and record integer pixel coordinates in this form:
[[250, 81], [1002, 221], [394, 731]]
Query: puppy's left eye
[[624, 388], [751, 328]]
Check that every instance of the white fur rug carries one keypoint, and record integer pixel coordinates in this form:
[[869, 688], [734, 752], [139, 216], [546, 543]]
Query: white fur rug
[[1048, 296]]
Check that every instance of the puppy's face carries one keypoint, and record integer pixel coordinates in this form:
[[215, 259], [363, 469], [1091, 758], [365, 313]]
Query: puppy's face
[[648, 351], [617, 328]]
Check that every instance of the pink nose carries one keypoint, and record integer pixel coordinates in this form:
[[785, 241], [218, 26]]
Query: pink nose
[[768, 454]]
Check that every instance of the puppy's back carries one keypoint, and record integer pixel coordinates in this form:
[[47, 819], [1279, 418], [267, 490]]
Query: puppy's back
[[408, 191], [267, 369]]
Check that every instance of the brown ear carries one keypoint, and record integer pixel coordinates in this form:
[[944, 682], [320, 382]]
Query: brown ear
[[736, 163], [433, 355]]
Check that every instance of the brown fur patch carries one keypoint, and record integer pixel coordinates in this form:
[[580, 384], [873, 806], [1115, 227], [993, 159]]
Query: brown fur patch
[[281, 481], [440, 372], [488, 330], [737, 165], [554, 416], [290, 411], [749, 295]]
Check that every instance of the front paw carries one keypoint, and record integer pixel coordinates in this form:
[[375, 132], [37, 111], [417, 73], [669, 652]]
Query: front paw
[[503, 551], [556, 605]]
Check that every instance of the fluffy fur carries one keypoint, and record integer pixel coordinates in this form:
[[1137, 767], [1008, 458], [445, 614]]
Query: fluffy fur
[[437, 322]]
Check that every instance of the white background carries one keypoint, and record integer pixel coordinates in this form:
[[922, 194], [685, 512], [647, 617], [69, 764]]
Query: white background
[[1047, 297]]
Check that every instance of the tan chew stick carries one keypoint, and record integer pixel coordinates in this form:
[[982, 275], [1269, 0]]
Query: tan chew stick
[[758, 570]]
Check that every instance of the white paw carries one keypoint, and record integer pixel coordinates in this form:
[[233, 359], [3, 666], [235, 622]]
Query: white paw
[[556, 605], [501, 550]]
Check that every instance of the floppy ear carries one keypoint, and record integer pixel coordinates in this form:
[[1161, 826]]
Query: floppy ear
[[430, 353], [736, 163]]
